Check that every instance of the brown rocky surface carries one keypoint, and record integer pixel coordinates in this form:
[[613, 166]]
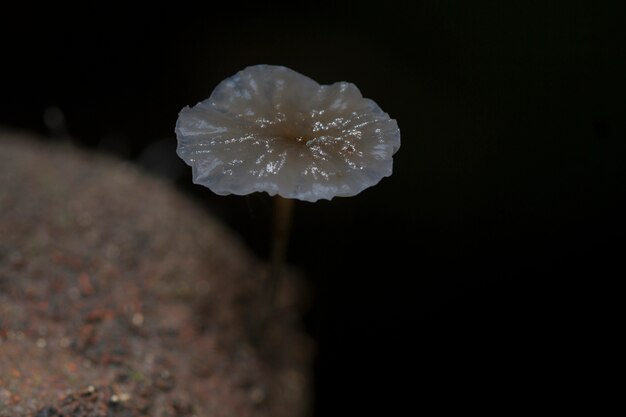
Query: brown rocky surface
[[120, 297]]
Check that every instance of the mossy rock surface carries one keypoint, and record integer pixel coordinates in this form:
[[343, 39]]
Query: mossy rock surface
[[120, 297]]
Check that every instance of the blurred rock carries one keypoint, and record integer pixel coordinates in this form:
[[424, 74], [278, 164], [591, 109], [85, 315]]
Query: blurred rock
[[119, 297]]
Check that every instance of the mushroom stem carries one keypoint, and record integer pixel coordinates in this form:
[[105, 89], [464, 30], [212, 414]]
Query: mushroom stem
[[283, 210]]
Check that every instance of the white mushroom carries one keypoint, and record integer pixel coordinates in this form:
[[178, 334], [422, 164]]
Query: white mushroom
[[269, 128]]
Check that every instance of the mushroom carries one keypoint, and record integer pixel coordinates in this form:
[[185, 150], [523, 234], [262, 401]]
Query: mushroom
[[268, 128]]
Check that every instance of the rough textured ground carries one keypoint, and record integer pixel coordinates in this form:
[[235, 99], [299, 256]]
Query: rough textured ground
[[118, 297]]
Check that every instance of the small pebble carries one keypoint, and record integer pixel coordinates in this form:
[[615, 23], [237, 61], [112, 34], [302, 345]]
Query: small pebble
[[120, 398], [257, 395], [41, 343], [137, 319]]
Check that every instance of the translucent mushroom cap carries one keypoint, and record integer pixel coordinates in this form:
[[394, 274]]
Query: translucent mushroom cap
[[269, 128]]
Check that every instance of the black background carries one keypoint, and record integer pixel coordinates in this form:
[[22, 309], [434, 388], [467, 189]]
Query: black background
[[482, 269]]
